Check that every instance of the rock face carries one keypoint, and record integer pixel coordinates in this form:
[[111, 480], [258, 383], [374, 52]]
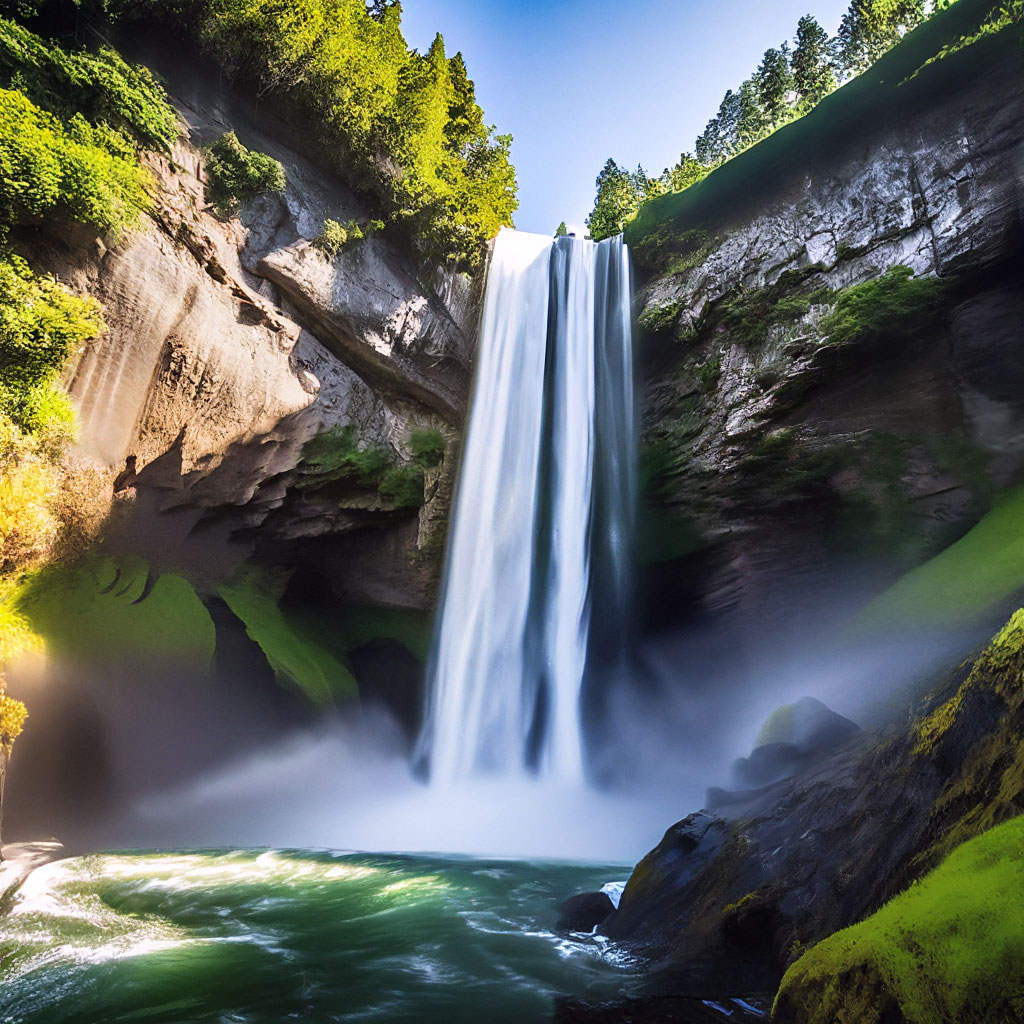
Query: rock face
[[725, 902], [786, 449], [231, 344]]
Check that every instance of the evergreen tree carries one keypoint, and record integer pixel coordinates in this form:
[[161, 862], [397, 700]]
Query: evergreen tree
[[773, 82], [870, 27], [814, 74], [619, 195], [684, 174], [562, 230], [465, 118], [750, 119]]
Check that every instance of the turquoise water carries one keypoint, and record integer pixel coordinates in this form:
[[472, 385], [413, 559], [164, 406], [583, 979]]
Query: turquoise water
[[272, 936]]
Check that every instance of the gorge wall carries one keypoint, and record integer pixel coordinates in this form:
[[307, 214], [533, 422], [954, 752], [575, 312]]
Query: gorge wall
[[795, 442], [284, 587]]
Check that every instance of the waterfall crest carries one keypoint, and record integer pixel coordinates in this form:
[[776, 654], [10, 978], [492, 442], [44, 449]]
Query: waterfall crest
[[543, 514]]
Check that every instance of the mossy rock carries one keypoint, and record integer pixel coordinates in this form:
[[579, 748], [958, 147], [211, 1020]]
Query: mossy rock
[[949, 948]]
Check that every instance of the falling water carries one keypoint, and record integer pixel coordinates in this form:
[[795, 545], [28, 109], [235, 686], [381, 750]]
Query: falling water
[[543, 518]]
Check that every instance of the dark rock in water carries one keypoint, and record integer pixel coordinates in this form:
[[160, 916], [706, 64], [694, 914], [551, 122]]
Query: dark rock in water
[[662, 1010], [584, 912], [792, 737]]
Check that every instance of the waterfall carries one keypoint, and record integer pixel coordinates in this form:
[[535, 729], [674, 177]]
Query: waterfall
[[544, 511]]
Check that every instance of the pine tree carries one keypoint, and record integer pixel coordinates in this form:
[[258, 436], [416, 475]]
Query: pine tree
[[562, 230], [619, 194], [773, 82], [750, 118], [814, 74]]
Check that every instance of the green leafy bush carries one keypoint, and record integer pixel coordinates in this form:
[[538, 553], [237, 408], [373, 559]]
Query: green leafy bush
[[335, 455], [47, 167], [41, 326], [336, 236], [427, 446], [402, 486], [99, 87], [236, 174], [875, 306]]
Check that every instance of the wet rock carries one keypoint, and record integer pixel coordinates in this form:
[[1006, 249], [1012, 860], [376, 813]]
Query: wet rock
[[792, 737], [584, 912]]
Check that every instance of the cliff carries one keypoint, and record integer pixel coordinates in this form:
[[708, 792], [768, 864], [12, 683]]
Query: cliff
[[805, 412], [275, 544]]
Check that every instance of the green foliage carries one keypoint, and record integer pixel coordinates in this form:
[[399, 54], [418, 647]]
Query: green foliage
[[41, 326], [293, 654], [335, 455], [47, 167], [403, 127], [100, 87], [709, 372], [335, 236], [949, 948], [814, 71], [659, 319], [236, 174], [748, 315], [870, 27], [774, 81], [562, 230], [619, 195], [877, 306], [402, 486], [427, 446]]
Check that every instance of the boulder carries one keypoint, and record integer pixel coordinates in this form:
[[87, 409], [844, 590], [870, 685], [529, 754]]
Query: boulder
[[792, 737], [584, 912]]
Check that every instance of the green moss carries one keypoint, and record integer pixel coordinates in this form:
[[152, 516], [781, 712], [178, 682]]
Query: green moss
[[709, 372], [950, 948], [743, 901], [116, 613], [360, 625], [778, 727], [967, 579], [402, 486], [290, 650], [883, 305], [749, 314], [659, 319]]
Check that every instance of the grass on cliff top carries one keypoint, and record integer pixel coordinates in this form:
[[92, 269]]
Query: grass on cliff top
[[884, 93], [962, 583], [949, 948]]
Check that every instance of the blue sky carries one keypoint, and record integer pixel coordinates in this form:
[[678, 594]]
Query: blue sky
[[577, 81]]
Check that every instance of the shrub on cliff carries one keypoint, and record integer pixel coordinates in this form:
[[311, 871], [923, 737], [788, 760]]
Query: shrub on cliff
[[236, 174], [99, 86], [41, 326], [75, 169], [897, 297]]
